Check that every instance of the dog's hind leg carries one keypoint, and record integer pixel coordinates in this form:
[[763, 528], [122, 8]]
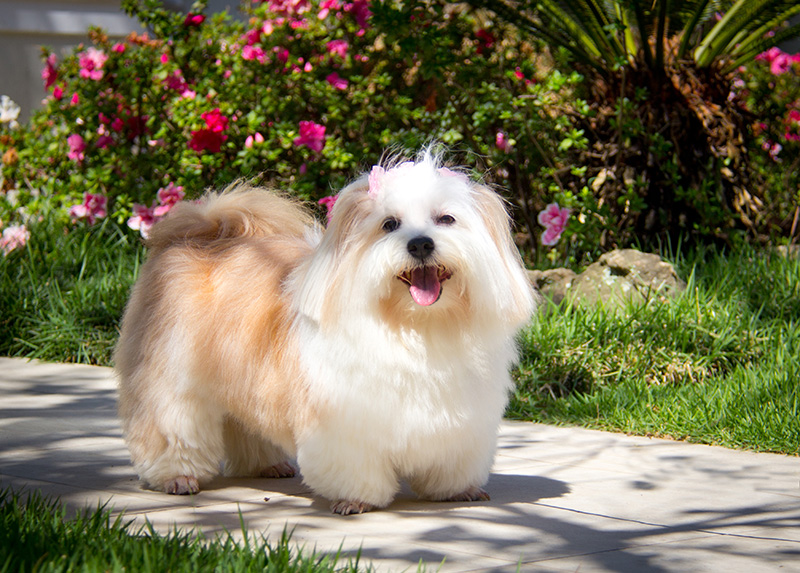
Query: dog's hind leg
[[177, 448], [248, 455]]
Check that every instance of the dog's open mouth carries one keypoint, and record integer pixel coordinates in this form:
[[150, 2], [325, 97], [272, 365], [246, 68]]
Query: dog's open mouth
[[425, 283]]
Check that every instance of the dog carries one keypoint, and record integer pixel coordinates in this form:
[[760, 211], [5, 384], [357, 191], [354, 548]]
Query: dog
[[369, 352]]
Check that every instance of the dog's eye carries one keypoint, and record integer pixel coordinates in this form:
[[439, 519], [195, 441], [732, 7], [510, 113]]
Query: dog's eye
[[445, 220], [391, 224]]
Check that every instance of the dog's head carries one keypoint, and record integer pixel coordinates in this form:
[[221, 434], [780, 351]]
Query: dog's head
[[414, 241]]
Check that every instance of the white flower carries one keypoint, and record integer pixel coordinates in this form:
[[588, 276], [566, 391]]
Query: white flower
[[9, 111]]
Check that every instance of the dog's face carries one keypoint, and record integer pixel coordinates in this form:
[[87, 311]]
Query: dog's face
[[418, 242]]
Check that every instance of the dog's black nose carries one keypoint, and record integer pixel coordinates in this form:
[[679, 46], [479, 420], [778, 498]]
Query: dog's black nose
[[420, 247]]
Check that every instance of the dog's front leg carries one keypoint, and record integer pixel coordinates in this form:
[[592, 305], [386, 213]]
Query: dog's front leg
[[352, 473]]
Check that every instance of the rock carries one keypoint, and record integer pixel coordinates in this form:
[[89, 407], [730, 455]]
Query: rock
[[615, 279], [789, 251], [553, 283]]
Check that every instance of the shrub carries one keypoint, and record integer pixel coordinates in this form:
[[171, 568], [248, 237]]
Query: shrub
[[301, 96]]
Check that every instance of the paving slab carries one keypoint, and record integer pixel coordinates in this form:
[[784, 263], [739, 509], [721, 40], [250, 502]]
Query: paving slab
[[563, 499]]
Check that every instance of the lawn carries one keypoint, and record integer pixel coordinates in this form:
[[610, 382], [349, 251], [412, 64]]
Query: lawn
[[38, 534]]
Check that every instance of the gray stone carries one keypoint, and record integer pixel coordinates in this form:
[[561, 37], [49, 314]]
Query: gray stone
[[553, 283], [617, 278]]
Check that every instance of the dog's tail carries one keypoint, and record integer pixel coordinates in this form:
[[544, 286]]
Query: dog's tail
[[239, 211]]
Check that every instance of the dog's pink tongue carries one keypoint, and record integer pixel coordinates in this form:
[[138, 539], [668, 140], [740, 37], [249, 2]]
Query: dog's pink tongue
[[425, 286]]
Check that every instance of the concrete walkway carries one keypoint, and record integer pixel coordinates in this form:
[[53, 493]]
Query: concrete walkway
[[563, 499]]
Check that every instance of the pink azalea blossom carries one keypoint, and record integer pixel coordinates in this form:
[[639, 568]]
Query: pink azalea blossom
[[792, 126], [168, 197], [326, 6], [779, 61], [77, 146], [75, 99], [338, 48], [361, 12], [92, 208], [289, 7], [338, 82], [50, 72], [282, 53], [104, 141], [143, 218], [91, 62], [119, 48], [312, 135], [485, 40], [554, 219], [253, 139], [58, 92], [194, 19], [14, 237], [210, 138], [328, 202], [501, 142], [254, 53]]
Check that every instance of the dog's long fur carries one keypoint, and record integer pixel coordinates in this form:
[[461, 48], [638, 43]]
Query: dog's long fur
[[253, 337]]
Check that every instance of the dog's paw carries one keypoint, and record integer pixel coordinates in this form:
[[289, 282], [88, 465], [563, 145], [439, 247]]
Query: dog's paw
[[280, 470], [182, 485], [345, 507], [469, 494]]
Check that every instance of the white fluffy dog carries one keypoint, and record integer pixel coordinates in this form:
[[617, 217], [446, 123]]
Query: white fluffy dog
[[375, 351]]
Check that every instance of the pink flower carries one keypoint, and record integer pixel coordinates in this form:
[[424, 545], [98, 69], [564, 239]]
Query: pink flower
[[253, 139], [119, 48], [215, 121], [289, 7], [554, 219], [58, 92], [194, 19], [328, 202], [143, 219], [792, 126], [92, 208], [104, 141], [501, 142], [282, 53], [75, 99], [312, 135], [50, 72], [254, 53], [338, 48], [14, 237], [778, 60], [77, 146], [361, 12], [175, 81], [336, 81], [168, 197], [485, 40], [326, 6], [253, 36], [210, 138], [91, 62], [164, 58]]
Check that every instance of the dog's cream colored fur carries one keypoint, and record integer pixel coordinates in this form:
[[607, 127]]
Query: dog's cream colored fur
[[253, 337]]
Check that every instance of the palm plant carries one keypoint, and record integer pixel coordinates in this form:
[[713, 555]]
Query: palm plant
[[660, 73]]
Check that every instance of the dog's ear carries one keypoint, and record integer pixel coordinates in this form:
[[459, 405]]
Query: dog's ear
[[319, 282], [515, 295]]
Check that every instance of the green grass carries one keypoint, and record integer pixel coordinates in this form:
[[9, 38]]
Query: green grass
[[38, 534], [718, 365], [62, 296]]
